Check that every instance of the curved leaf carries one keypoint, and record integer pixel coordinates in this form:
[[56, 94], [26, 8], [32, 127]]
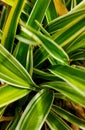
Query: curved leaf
[[12, 72], [65, 20], [73, 76], [9, 94], [31, 22], [56, 123], [77, 43], [49, 45], [54, 49], [36, 111], [66, 90], [11, 24], [69, 117]]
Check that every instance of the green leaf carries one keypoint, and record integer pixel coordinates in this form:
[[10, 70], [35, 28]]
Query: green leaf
[[2, 110], [29, 63], [0, 34], [53, 49], [11, 24], [80, 6], [12, 72], [36, 111], [69, 117], [9, 94], [42, 29], [66, 90], [80, 55], [40, 56], [73, 76], [49, 45], [78, 43], [31, 22], [63, 21], [51, 12], [12, 125], [40, 4], [44, 75], [3, 17], [67, 28], [56, 123]]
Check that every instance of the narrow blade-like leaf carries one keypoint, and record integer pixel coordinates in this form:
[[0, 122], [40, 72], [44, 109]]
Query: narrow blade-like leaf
[[36, 111], [68, 116], [11, 24], [73, 76], [9, 94], [12, 72], [49, 45], [66, 90], [56, 123]]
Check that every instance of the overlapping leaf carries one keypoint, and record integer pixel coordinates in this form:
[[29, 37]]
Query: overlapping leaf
[[67, 28], [31, 22], [73, 76], [36, 111], [12, 72], [69, 117], [11, 24], [66, 90], [50, 46], [9, 94], [56, 123]]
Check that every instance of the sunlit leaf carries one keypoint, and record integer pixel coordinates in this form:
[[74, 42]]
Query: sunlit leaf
[[49, 45], [11, 24], [73, 76], [12, 72], [9, 94], [66, 90]]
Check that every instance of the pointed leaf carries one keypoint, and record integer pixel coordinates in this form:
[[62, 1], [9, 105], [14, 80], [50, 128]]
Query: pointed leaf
[[2, 111]]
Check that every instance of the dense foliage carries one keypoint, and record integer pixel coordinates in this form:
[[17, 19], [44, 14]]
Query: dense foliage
[[42, 64]]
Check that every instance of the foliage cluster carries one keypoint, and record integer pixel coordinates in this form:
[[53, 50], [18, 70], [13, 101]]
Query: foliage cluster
[[42, 65]]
